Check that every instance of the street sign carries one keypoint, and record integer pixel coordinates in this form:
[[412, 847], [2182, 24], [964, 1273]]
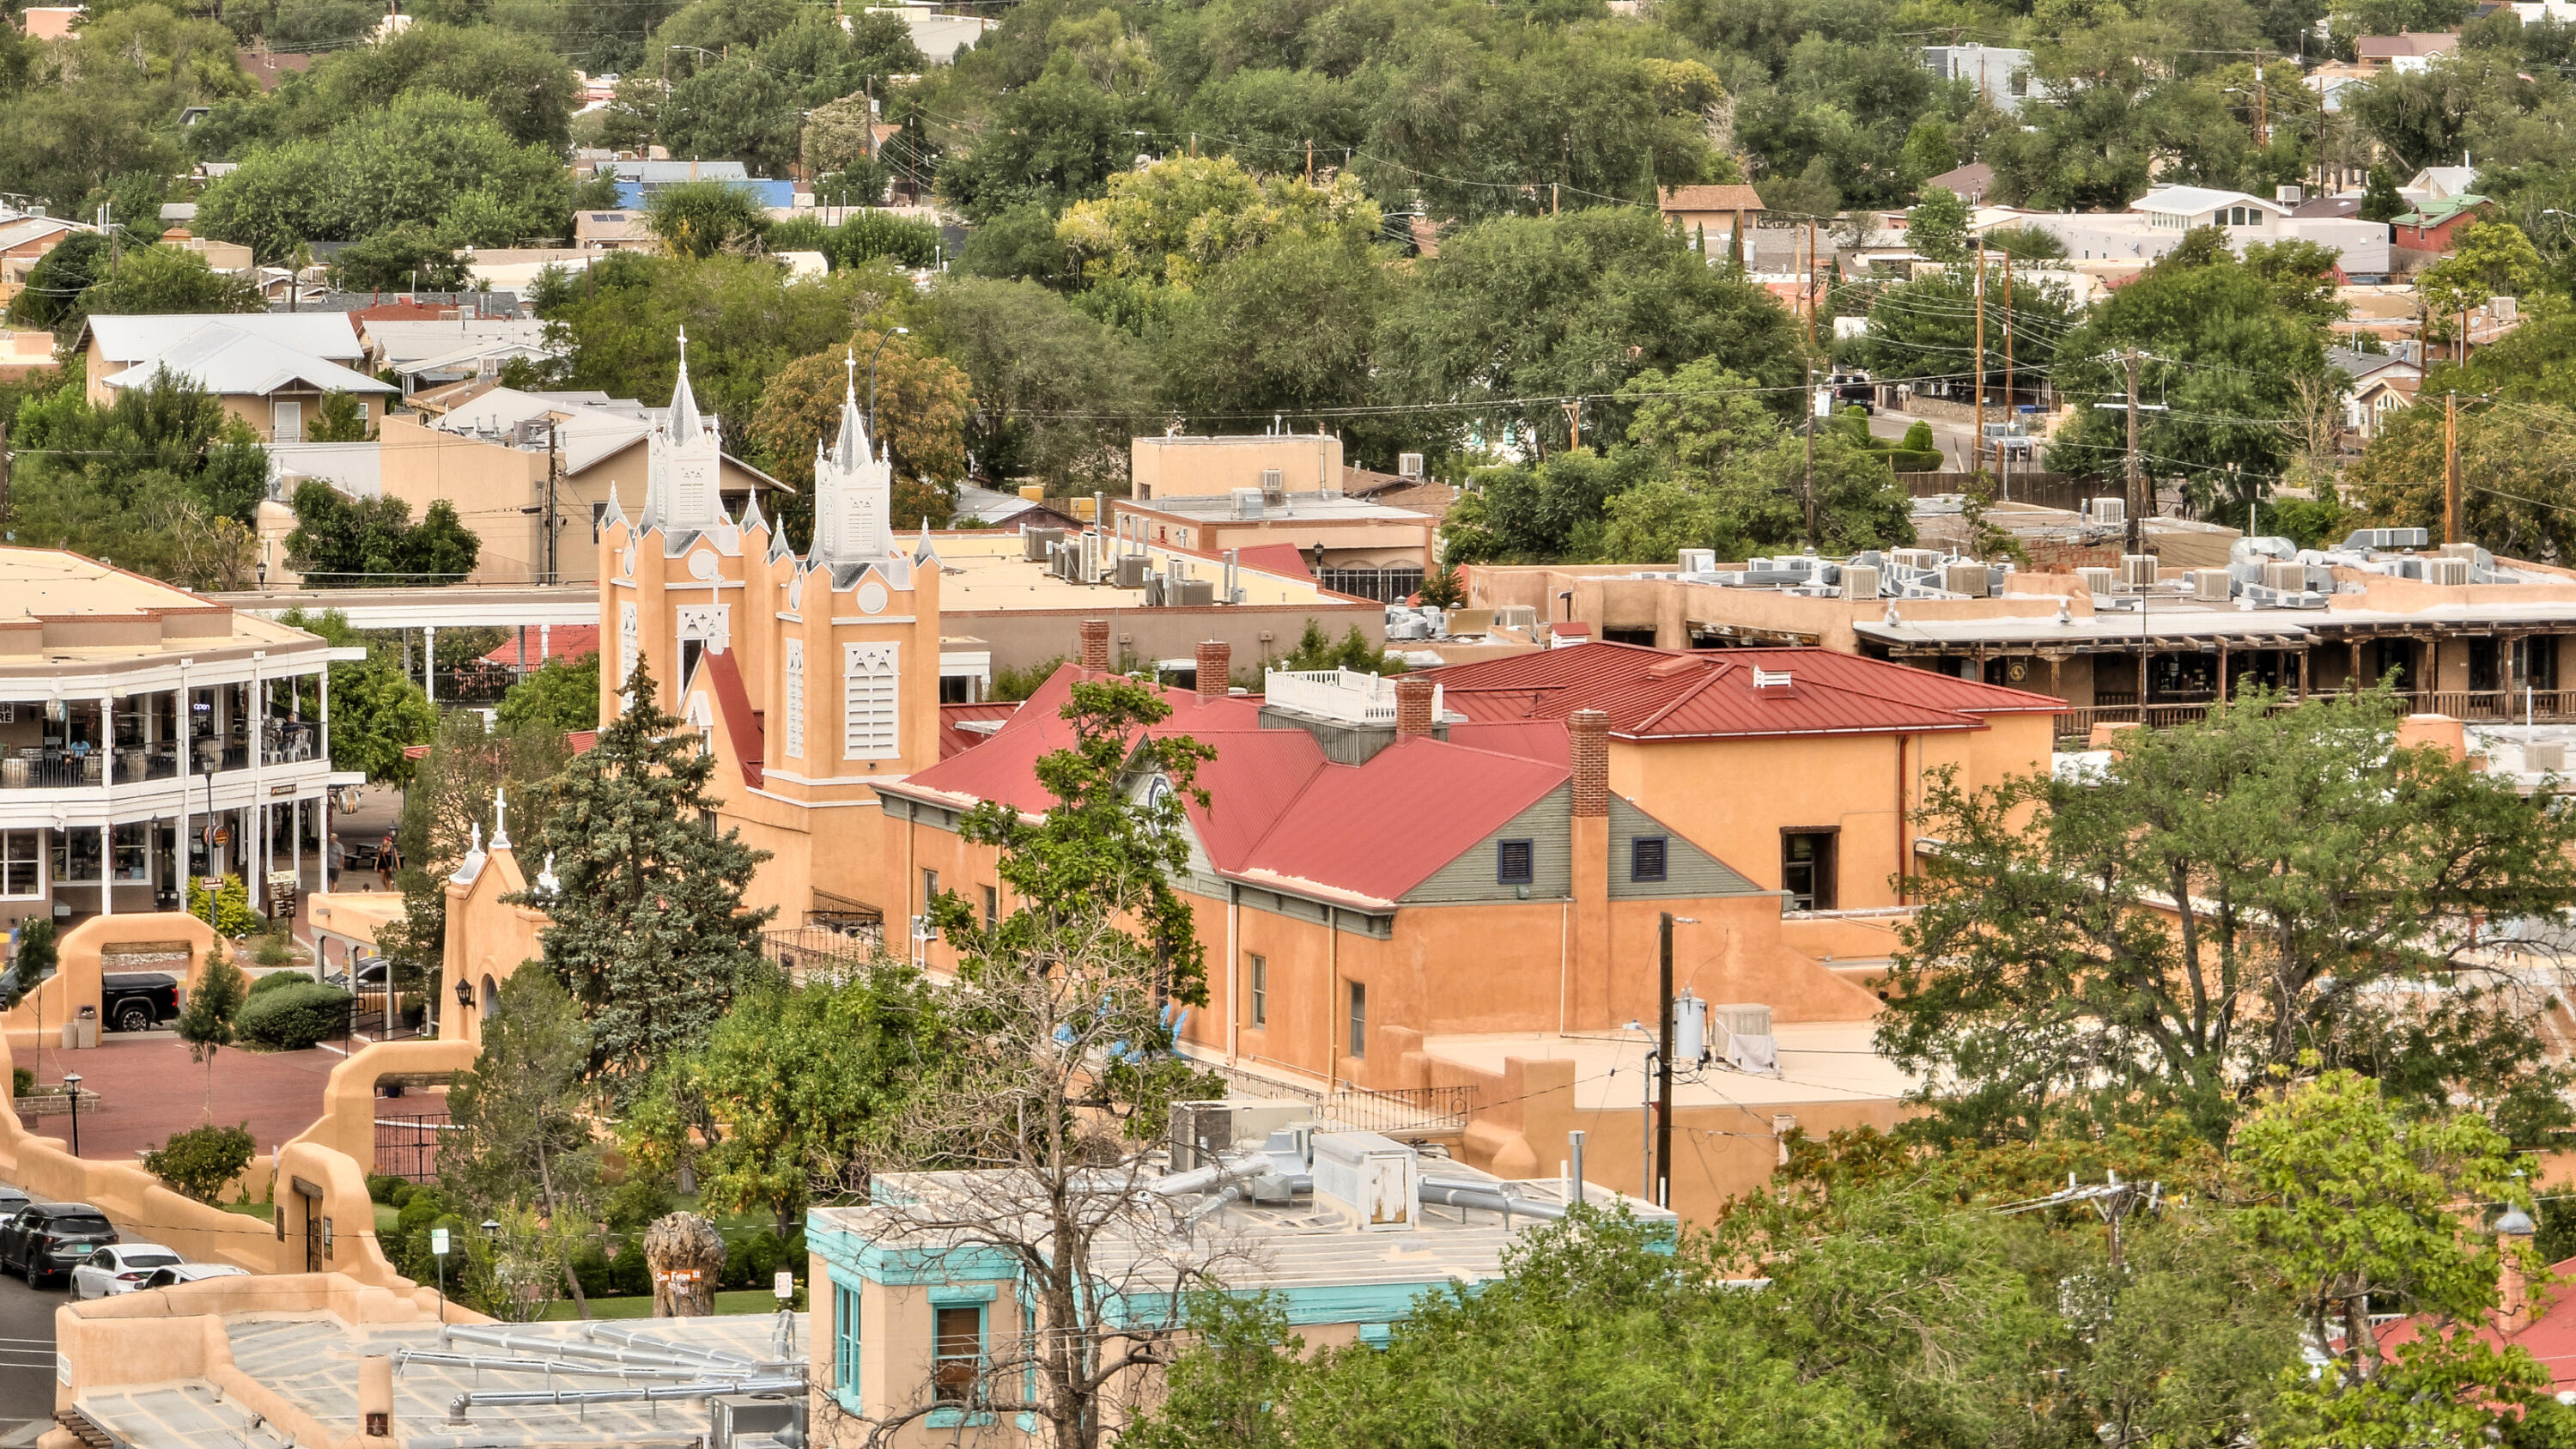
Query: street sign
[[438, 1242]]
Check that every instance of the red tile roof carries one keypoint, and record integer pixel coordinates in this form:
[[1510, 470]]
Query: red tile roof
[[1279, 813], [2550, 1337], [568, 642], [1673, 694]]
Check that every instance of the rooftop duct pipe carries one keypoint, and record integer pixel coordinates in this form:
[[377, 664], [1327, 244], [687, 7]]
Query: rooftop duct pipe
[[573, 1348], [1450, 1193], [405, 1357], [573, 1398], [630, 1338]]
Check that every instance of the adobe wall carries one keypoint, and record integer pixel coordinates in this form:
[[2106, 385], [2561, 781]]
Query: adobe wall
[[38, 1019]]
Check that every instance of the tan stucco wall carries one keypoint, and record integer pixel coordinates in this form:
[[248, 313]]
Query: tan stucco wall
[[1307, 463], [37, 1020]]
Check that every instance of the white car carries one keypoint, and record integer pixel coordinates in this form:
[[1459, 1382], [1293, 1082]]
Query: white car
[[190, 1273], [119, 1268]]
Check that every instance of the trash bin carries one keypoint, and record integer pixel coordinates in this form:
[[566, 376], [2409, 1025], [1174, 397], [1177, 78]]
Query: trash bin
[[81, 1032]]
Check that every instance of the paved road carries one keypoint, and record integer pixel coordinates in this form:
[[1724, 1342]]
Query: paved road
[[1954, 439], [26, 1357]]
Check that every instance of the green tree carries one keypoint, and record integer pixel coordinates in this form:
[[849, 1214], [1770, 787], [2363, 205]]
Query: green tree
[[338, 420], [2359, 1204], [1699, 418], [701, 218], [1055, 391], [524, 1135], [734, 112], [32, 961], [451, 798], [562, 696], [1284, 326], [200, 1161], [52, 296], [2491, 259], [1355, 653], [341, 542], [527, 89], [2380, 202], [159, 279], [2326, 872], [648, 930], [1937, 228], [804, 1083], [206, 1020]]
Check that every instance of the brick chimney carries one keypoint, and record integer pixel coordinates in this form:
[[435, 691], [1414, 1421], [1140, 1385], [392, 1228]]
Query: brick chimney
[[2514, 1309], [1413, 705], [1095, 645], [1590, 731], [1216, 669]]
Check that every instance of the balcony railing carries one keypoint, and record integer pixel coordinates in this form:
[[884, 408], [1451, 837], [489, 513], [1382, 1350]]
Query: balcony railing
[[33, 767], [2502, 706]]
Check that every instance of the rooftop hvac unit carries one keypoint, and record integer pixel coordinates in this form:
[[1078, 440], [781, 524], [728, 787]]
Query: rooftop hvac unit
[[2108, 512], [2544, 757], [1133, 570], [1916, 558], [2289, 578], [2096, 580], [1274, 487], [1153, 591], [1190, 594], [1513, 616], [1408, 465], [2137, 570], [2212, 586], [1200, 1132], [1247, 503], [1374, 1178], [1725, 1023], [736, 1421], [1860, 581], [1965, 578], [2289, 195], [1699, 560], [2452, 571], [1034, 542]]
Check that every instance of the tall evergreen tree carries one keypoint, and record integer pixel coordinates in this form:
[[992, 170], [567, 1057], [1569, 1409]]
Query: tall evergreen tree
[[648, 931]]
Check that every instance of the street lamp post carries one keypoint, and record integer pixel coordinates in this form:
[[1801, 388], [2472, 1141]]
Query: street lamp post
[[71, 1086], [872, 377]]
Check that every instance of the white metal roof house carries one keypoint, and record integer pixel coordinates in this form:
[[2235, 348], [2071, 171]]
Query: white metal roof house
[[271, 370]]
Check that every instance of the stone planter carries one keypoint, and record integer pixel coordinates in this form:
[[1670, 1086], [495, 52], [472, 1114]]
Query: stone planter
[[55, 1104]]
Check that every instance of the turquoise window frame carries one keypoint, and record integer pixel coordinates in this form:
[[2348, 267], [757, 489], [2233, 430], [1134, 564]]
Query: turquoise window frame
[[846, 1344], [979, 1299]]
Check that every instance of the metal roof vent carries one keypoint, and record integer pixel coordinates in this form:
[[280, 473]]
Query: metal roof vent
[[1772, 678]]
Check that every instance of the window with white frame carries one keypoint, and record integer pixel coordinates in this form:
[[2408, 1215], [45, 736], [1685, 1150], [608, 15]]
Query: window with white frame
[[795, 699], [868, 688], [22, 868]]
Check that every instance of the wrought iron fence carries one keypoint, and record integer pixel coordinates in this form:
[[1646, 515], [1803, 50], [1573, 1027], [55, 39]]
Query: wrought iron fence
[[407, 1147], [1397, 1111]]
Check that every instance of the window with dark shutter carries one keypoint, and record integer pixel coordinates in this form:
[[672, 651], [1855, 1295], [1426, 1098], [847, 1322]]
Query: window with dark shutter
[[1646, 858], [1513, 862]]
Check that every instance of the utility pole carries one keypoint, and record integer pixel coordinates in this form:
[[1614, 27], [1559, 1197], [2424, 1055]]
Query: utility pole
[[1664, 1072], [554, 535], [2137, 525], [2451, 467], [1811, 288], [1977, 371], [1310, 163], [1807, 504]]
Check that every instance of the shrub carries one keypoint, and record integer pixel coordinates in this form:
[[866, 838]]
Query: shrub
[[292, 1019], [200, 1161], [272, 950], [229, 913], [21, 1081], [278, 981]]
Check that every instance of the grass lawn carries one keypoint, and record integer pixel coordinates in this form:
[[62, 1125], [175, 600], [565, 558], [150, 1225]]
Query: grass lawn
[[740, 1300], [259, 1210]]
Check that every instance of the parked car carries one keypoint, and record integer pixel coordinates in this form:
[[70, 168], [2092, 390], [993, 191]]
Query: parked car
[[373, 972], [138, 1000], [12, 1199], [120, 1268], [190, 1273], [46, 1240]]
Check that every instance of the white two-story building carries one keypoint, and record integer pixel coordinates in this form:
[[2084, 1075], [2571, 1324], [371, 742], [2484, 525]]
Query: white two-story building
[[148, 736]]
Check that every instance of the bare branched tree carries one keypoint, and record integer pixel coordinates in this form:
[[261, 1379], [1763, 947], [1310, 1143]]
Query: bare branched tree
[[1058, 1088]]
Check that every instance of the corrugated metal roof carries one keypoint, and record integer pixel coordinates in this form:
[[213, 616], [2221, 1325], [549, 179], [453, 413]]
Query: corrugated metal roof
[[1671, 694]]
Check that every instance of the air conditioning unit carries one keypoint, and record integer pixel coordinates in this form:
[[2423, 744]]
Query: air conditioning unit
[[736, 1421], [2138, 570], [1408, 465], [2544, 757], [1860, 581], [1725, 1023], [1034, 543], [2289, 195], [1699, 560], [2097, 580], [2108, 512], [1247, 503], [1200, 1132], [1374, 1178], [1132, 570], [1965, 578], [1512, 616], [2212, 586], [2451, 571], [1190, 594], [1274, 486], [2289, 578]]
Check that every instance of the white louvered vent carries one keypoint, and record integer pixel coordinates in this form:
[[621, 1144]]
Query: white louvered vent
[[868, 683], [795, 699]]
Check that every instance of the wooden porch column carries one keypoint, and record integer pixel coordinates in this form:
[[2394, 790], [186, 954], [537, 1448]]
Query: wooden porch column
[[2303, 676], [2222, 669], [2352, 684]]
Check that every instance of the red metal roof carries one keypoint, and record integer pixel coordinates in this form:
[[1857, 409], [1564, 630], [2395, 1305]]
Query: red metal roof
[[953, 739], [1275, 558], [742, 722], [568, 642], [2550, 1337], [1278, 812], [1675, 694]]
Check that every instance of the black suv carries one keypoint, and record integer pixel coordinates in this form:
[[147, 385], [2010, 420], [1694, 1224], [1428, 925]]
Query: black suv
[[47, 1240], [138, 1000]]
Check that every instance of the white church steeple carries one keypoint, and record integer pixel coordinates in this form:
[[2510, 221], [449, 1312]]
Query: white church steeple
[[853, 488], [681, 495]]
